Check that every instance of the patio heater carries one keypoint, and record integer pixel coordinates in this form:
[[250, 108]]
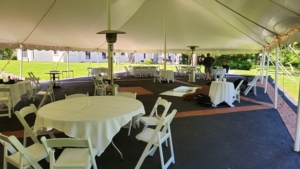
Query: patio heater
[[192, 71], [111, 38]]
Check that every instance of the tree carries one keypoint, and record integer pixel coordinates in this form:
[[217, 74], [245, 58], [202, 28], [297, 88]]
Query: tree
[[5, 54]]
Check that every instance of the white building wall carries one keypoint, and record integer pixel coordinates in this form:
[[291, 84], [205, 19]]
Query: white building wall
[[79, 56]]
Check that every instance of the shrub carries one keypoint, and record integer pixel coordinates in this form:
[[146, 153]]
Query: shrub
[[148, 61]]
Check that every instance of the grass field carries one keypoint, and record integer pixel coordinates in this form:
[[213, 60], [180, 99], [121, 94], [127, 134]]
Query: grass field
[[80, 69]]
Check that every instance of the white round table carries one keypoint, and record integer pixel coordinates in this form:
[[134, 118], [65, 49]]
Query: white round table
[[97, 117], [222, 92]]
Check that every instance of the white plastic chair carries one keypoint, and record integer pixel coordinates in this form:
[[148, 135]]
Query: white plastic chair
[[155, 138], [153, 118], [35, 85], [100, 87], [137, 71], [135, 119], [49, 92], [251, 85], [28, 131], [20, 156], [152, 71], [31, 75], [157, 76], [237, 96], [76, 95], [127, 71], [80, 154], [6, 99]]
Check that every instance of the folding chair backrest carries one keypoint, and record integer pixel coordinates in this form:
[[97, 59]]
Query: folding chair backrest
[[99, 82], [31, 75], [160, 102], [127, 94], [34, 81], [21, 116], [239, 85], [12, 141], [76, 95], [49, 144], [49, 91], [253, 82]]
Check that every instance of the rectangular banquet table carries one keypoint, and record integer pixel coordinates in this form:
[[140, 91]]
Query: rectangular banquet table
[[97, 117], [18, 89], [222, 92]]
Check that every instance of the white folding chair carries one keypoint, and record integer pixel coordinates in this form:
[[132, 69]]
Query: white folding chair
[[76, 95], [31, 75], [35, 85], [157, 76], [221, 74], [137, 71], [100, 87], [153, 118], [20, 156], [28, 131], [135, 119], [152, 71], [49, 92], [155, 138], [5, 98], [79, 153], [127, 71], [237, 96], [251, 85]]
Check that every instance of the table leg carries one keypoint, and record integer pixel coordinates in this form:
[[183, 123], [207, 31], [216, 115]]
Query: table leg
[[112, 142]]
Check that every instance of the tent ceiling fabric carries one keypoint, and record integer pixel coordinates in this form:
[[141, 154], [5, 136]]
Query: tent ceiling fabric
[[223, 26]]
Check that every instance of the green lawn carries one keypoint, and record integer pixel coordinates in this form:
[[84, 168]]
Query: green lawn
[[80, 69]]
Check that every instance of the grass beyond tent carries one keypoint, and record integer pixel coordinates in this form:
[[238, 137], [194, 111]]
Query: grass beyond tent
[[80, 69]]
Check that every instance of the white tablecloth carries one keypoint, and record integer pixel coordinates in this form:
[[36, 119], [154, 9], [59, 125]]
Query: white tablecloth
[[97, 117], [99, 70], [222, 92], [18, 89], [166, 75]]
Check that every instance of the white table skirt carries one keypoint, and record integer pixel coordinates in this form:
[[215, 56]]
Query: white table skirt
[[97, 117], [222, 92], [166, 75], [18, 89]]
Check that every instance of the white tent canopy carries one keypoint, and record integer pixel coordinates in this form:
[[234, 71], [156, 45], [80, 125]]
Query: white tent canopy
[[219, 26]]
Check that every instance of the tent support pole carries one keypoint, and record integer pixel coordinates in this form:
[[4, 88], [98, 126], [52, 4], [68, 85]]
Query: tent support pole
[[297, 137], [21, 63], [267, 72], [263, 67], [68, 63], [165, 36], [276, 77]]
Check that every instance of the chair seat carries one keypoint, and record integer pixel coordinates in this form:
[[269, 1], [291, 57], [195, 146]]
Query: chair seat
[[42, 93], [74, 157], [146, 135], [150, 120], [37, 151]]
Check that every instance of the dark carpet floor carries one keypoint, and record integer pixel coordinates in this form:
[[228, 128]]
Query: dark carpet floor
[[250, 139]]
